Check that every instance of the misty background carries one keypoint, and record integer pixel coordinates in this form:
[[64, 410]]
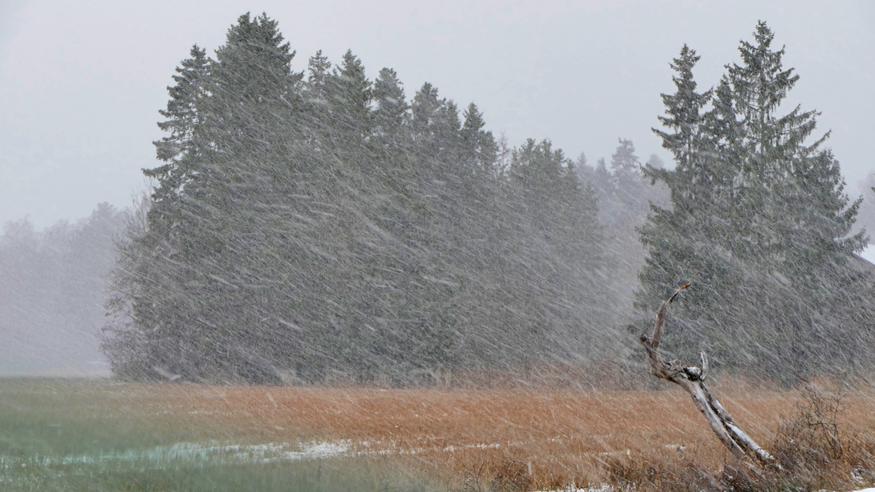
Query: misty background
[[81, 86], [82, 82]]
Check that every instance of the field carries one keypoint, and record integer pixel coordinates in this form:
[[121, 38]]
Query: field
[[93, 435]]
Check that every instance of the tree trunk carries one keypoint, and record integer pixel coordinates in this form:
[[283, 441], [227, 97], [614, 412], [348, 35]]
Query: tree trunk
[[692, 380]]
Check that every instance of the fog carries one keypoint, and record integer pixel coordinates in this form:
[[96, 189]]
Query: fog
[[82, 82], [479, 246]]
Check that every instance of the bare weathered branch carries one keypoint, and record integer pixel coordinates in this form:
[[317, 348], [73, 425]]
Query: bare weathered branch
[[662, 314], [692, 379], [741, 437]]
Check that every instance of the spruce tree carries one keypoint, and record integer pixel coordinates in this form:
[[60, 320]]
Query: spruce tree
[[390, 113], [182, 119], [229, 209], [683, 117], [350, 98], [326, 230], [318, 73], [182, 147], [153, 265], [736, 227], [424, 109], [478, 145], [689, 183], [626, 202], [686, 240], [781, 166]]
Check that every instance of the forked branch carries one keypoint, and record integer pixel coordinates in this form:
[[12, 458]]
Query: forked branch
[[692, 379]]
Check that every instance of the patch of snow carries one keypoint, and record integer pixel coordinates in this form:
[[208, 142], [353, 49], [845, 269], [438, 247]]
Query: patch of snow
[[317, 450], [214, 452], [206, 452]]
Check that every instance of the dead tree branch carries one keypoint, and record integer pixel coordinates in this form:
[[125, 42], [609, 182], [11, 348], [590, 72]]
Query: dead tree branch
[[692, 380]]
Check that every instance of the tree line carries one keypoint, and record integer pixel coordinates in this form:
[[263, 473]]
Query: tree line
[[320, 226]]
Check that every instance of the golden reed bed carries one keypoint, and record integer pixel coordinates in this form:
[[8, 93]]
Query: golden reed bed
[[549, 436]]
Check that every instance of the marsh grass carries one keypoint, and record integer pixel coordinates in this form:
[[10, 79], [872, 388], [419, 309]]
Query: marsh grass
[[103, 435]]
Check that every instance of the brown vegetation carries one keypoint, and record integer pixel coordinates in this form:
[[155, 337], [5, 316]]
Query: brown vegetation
[[527, 438]]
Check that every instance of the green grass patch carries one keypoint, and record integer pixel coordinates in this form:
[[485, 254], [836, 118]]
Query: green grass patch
[[75, 435]]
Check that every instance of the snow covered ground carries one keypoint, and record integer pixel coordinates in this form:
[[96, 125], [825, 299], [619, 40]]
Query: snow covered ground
[[215, 452], [202, 453]]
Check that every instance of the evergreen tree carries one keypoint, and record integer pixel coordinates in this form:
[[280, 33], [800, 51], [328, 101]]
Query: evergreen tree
[[624, 162], [150, 260], [684, 242], [624, 200], [425, 109], [390, 113], [562, 244], [318, 73], [689, 182], [182, 119], [326, 230], [735, 226], [350, 100], [479, 147], [684, 113], [181, 149], [780, 167]]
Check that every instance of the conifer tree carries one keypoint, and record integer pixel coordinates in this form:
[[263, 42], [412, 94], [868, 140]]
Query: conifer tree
[[781, 166], [689, 183], [316, 114], [624, 162], [736, 225], [247, 124], [182, 119], [478, 145], [390, 113], [683, 241], [684, 112], [318, 73], [425, 107], [325, 229], [350, 100], [151, 257], [182, 148]]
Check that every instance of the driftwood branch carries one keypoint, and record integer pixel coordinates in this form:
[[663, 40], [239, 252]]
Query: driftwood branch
[[692, 380]]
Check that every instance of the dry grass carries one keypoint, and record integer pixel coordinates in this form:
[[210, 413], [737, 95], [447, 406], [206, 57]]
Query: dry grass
[[501, 439]]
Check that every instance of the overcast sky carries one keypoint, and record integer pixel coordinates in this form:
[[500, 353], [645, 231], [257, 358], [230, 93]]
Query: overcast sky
[[81, 82]]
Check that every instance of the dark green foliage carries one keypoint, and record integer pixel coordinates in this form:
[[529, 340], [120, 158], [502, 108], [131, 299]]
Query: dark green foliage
[[324, 229], [759, 222], [321, 226]]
